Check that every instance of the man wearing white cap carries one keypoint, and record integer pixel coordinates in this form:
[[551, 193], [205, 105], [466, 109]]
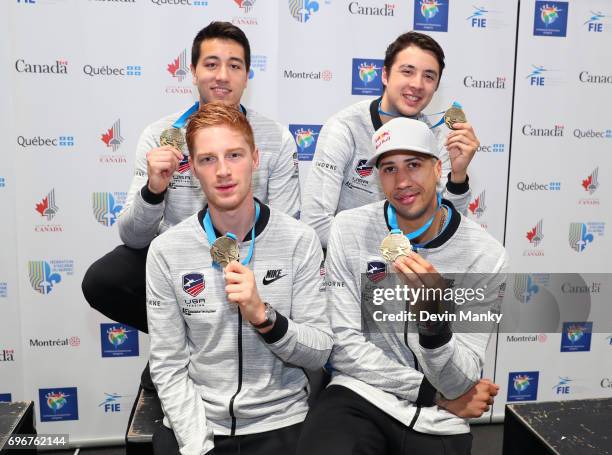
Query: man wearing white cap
[[404, 387], [341, 178]]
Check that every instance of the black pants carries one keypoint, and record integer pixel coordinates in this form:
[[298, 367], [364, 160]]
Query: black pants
[[282, 442], [115, 286], [343, 423]]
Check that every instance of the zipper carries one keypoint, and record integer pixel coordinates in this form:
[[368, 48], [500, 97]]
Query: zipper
[[231, 403], [416, 367]]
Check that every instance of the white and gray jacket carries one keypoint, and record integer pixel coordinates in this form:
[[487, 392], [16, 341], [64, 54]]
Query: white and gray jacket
[[275, 182], [214, 372], [339, 179], [396, 367]]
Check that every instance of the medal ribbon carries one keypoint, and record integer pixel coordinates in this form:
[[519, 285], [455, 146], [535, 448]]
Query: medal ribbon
[[392, 218], [441, 121], [210, 233], [182, 120]]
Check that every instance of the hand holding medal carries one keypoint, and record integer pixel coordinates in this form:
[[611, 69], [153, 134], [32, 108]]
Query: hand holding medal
[[461, 142]]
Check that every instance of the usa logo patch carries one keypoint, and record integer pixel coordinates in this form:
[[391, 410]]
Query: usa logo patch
[[362, 169], [193, 283], [377, 271]]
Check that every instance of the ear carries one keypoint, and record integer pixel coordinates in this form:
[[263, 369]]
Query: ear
[[191, 166], [255, 158], [438, 170], [385, 76], [194, 80]]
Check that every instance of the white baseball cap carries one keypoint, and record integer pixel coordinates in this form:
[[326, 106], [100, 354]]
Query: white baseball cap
[[403, 134]]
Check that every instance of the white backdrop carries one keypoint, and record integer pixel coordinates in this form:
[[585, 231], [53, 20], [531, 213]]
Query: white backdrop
[[119, 65]]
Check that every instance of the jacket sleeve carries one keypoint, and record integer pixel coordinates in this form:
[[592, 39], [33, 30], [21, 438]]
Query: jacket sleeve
[[169, 358], [283, 180], [138, 222], [353, 354], [303, 338], [335, 150], [453, 361]]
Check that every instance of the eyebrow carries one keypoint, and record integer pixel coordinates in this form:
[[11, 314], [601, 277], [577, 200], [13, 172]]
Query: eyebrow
[[232, 59], [412, 67], [406, 160]]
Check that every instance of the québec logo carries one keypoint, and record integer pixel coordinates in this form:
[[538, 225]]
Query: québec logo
[[581, 235], [112, 138], [113, 71], [535, 186], [550, 18], [302, 10], [478, 206], [106, 206], [58, 67], [39, 141], [366, 77], [523, 386], [431, 15], [44, 276], [180, 2], [594, 23], [492, 148], [306, 140], [58, 404]]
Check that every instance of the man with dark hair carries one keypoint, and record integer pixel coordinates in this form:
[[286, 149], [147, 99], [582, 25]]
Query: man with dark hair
[[229, 339], [163, 191], [340, 179], [405, 385]]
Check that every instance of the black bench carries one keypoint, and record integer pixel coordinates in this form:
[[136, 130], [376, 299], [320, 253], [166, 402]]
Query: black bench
[[147, 415], [559, 427], [145, 418], [16, 418]]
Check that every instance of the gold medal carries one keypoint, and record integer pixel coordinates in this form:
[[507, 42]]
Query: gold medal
[[454, 115], [173, 137], [394, 246], [224, 251]]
